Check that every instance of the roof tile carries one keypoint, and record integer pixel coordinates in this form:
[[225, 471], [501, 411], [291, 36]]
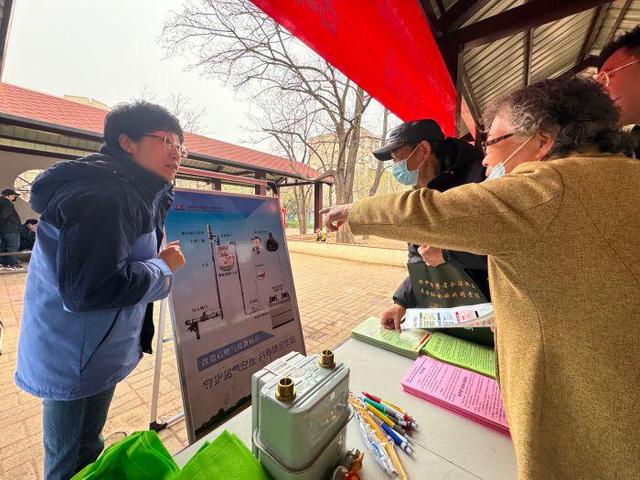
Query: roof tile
[[42, 107]]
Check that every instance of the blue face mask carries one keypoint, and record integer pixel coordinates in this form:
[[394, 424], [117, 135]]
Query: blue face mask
[[402, 174], [499, 170]]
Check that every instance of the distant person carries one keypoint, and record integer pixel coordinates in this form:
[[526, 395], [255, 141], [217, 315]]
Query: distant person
[[94, 273], [28, 234], [618, 73], [10, 226]]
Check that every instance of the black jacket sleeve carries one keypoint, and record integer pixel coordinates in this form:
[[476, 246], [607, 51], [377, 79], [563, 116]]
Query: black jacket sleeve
[[404, 294], [465, 260]]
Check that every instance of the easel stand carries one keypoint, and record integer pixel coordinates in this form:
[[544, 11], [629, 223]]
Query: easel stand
[[155, 391], [261, 189]]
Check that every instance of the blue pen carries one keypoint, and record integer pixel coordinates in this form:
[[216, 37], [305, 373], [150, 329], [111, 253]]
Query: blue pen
[[396, 438]]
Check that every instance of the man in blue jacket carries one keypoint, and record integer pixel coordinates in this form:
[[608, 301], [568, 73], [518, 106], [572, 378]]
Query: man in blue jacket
[[94, 271]]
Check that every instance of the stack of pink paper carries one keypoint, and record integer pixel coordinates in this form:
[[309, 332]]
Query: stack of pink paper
[[464, 392]]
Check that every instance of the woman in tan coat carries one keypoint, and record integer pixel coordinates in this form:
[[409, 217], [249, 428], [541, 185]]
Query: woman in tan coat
[[561, 232]]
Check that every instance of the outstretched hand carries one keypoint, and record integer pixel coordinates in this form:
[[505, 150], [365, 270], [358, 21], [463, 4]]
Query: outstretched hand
[[336, 216]]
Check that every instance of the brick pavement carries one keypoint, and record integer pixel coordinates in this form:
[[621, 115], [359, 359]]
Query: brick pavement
[[333, 296]]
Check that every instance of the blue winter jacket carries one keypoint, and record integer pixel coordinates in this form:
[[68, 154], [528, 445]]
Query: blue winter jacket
[[93, 272]]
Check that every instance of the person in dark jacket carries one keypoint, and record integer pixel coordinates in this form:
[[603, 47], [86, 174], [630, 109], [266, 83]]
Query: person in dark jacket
[[28, 234], [10, 225], [94, 271], [423, 157]]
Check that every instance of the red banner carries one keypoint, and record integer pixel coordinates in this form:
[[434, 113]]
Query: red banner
[[385, 46]]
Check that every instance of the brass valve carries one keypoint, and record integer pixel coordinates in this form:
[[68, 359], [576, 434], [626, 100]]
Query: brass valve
[[286, 390], [326, 359]]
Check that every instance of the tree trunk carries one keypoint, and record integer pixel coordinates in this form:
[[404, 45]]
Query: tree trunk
[[345, 235], [380, 166], [301, 211]]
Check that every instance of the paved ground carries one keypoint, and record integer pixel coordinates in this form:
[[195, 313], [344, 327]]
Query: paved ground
[[333, 296]]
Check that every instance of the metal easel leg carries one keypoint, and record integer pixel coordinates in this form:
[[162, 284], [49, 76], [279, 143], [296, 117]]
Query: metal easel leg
[[153, 414], [155, 391]]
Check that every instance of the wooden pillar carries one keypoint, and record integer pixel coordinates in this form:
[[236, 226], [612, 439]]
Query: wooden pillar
[[261, 189], [452, 55], [216, 184], [317, 205]]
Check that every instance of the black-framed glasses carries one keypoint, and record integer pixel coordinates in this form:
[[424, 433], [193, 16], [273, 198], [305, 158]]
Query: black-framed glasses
[[603, 77], [493, 141], [168, 142]]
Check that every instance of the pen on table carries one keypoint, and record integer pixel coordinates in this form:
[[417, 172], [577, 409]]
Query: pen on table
[[397, 439], [380, 415], [388, 421], [399, 410], [395, 416], [401, 434], [385, 409], [408, 418]]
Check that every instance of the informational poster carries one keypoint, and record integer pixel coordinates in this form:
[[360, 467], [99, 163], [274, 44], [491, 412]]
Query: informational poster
[[233, 305]]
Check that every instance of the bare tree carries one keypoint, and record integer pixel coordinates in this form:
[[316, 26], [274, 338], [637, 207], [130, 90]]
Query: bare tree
[[181, 106], [380, 166], [234, 40], [287, 121], [190, 115]]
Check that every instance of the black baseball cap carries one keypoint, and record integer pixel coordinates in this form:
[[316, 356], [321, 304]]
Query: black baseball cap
[[409, 133], [9, 191]]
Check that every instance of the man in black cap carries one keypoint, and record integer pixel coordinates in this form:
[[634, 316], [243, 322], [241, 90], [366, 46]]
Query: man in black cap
[[423, 157], [10, 226]]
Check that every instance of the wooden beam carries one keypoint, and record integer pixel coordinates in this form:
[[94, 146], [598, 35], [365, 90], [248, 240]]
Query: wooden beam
[[472, 103], [441, 7], [518, 19], [431, 17], [619, 18], [599, 14], [528, 55], [590, 61], [458, 80], [317, 206], [261, 189], [459, 13]]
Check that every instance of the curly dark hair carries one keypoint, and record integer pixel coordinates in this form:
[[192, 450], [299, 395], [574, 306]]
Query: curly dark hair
[[576, 110], [138, 119], [629, 40]]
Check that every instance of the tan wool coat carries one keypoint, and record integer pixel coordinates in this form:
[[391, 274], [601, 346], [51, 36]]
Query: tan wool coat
[[562, 238]]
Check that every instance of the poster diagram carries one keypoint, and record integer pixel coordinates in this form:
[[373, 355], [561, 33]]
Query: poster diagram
[[233, 304]]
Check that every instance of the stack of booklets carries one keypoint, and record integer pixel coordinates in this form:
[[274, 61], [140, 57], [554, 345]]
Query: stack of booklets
[[407, 343], [461, 353], [466, 393]]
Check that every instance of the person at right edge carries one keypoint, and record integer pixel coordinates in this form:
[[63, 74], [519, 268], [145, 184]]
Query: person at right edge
[[423, 157], [618, 73], [558, 218]]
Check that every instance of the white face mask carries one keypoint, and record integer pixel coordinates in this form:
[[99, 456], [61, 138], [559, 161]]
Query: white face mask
[[499, 170]]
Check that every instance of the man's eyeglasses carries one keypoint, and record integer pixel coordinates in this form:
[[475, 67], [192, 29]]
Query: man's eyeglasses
[[493, 141], [603, 77], [168, 142]]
